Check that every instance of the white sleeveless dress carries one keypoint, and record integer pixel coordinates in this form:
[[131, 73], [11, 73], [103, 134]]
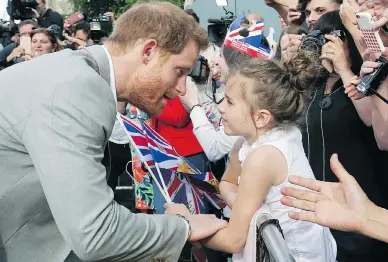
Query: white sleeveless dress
[[307, 242]]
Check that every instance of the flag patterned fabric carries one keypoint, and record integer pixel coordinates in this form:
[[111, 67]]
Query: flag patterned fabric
[[181, 191], [182, 179], [164, 154], [252, 44], [136, 134]]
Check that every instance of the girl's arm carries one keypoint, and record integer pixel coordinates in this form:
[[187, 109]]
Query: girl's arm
[[264, 167], [229, 181]]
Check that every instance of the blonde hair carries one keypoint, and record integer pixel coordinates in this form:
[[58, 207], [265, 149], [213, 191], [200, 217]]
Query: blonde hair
[[169, 25], [283, 88]]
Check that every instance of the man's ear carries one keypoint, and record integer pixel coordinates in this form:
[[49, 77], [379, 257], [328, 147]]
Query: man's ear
[[262, 118], [149, 50]]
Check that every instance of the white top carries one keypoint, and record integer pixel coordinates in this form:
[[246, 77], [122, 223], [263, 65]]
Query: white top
[[215, 144], [118, 135], [206, 120], [306, 241]]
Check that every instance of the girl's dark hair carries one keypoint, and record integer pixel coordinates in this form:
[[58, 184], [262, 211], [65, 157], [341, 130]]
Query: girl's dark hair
[[330, 22], [282, 87]]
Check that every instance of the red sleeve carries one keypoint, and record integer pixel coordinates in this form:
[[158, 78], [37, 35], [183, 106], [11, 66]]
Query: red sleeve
[[174, 114]]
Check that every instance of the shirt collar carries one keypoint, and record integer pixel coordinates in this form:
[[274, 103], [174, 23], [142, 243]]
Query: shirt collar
[[112, 75]]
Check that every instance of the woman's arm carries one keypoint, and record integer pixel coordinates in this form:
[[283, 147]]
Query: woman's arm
[[380, 117], [263, 168], [363, 106]]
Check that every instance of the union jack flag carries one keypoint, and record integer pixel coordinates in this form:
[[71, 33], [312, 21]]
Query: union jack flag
[[138, 138], [252, 44], [163, 153], [153, 148], [182, 191]]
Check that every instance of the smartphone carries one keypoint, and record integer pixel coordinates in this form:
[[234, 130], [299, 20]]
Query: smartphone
[[25, 42], [75, 18], [371, 38]]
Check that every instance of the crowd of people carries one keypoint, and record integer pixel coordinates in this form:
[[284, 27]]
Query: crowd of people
[[282, 125]]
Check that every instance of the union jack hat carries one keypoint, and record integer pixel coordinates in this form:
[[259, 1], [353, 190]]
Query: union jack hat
[[247, 39]]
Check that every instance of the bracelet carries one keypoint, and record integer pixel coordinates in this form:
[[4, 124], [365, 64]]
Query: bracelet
[[188, 223], [194, 107]]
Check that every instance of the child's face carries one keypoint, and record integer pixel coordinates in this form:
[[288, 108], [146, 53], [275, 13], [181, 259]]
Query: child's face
[[235, 111]]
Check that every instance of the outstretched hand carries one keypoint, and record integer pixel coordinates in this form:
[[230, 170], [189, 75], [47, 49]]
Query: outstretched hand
[[342, 206]]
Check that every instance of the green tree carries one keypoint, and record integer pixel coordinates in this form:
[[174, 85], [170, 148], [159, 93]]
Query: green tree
[[95, 7]]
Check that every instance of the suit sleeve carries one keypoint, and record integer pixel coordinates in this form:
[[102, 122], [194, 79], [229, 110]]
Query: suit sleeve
[[65, 138]]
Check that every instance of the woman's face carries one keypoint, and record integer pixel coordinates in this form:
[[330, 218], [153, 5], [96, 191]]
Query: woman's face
[[223, 67], [41, 44]]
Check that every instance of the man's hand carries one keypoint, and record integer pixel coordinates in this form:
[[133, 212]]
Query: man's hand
[[342, 206], [202, 226], [348, 11], [293, 15]]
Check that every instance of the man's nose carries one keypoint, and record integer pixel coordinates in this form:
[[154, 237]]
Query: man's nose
[[313, 17], [181, 86]]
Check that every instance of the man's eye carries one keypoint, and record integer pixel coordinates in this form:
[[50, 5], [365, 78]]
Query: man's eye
[[180, 72], [307, 13], [321, 11]]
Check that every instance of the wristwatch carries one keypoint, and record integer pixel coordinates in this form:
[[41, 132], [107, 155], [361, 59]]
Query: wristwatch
[[188, 223]]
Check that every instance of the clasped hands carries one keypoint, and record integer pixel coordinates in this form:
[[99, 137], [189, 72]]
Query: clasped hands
[[202, 226]]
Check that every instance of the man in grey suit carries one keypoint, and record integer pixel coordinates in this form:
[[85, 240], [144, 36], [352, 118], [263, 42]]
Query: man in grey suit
[[56, 115]]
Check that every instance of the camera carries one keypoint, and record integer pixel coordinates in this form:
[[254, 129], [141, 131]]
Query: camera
[[371, 82], [201, 71], [100, 26], [218, 28], [21, 9], [315, 40]]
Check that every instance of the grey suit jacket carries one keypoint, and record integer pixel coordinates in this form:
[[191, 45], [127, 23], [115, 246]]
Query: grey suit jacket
[[56, 115]]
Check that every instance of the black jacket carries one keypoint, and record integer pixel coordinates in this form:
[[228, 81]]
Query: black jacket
[[51, 17]]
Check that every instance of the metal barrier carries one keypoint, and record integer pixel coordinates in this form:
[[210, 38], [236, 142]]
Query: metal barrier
[[274, 241]]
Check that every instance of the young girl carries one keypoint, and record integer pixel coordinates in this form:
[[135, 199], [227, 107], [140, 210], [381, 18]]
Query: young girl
[[263, 103]]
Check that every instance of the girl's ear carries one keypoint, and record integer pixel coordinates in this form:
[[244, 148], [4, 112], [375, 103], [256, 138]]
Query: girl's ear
[[262, 118]]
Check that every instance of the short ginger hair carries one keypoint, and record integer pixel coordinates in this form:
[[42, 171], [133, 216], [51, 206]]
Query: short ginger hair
[[169, 25]]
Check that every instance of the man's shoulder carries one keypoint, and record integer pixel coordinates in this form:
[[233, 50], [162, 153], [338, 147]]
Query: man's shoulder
[[53, 13]]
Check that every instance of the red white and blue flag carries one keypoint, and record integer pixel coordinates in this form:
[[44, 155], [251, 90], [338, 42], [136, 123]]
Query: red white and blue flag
[[252, 44], [163, 153], [190, 187], [136, 134]]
